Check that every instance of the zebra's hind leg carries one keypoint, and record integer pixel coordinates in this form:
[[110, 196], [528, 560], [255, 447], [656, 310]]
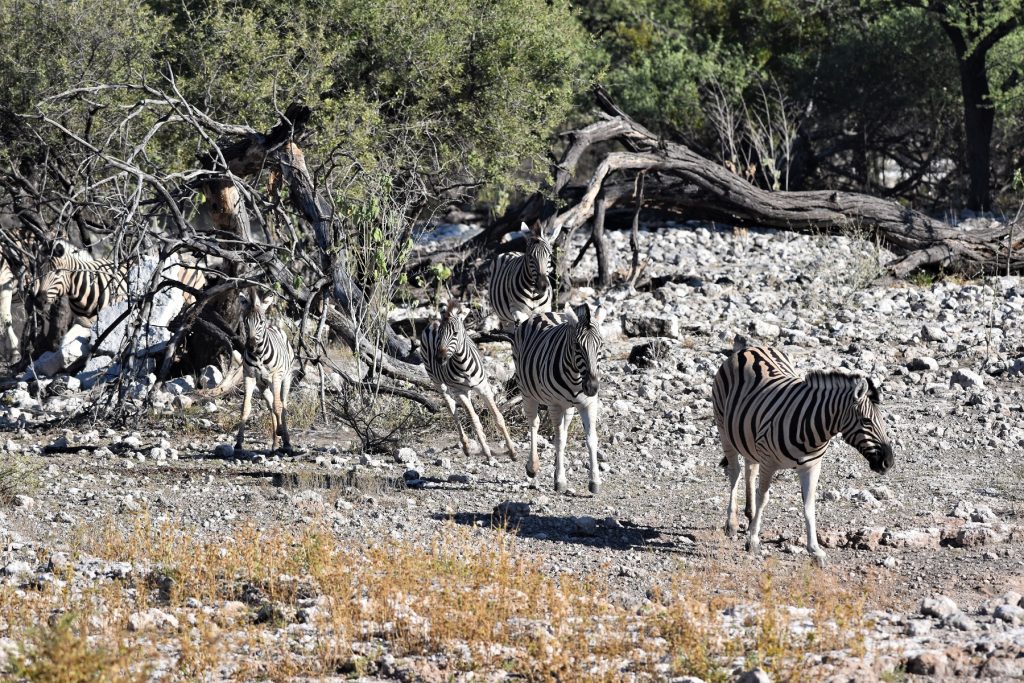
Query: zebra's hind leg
[[732, 469], [589, 414], [286, 390], [560, 419], [763, 485], [488, 393], [751, 470], [808, 487], [250, 386], [532, 410], [467, 403]]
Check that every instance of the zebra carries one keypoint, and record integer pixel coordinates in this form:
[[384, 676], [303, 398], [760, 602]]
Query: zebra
[[92, 284], [8, 338], [454, 364], [777, 420], [266, 361], [519, 286], [556, 357]]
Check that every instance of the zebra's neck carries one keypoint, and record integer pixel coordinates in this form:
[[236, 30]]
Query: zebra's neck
[[527, 279]]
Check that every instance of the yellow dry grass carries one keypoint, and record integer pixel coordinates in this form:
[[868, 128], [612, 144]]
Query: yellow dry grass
[[468, 596]]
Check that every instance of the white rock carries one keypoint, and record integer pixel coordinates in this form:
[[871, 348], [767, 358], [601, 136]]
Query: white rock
[[968, 379], [938, 606], [73, 346], [210, 377]]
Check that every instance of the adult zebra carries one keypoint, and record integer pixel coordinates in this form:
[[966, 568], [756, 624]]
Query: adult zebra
[[453, 361], [519, 286], [266, 361], [556, 358], [777, 420], [92, 284]]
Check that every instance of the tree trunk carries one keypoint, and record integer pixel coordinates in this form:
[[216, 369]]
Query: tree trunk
[[979, 118]]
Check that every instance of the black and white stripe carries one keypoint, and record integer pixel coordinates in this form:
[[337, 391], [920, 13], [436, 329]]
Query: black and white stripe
[[777, 420], [519, 286], [90, 284], [556, 356], [267, 362], [453, 361]]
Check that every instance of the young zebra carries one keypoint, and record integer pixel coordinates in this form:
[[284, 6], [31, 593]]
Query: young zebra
[[519, 286], [267, 361], [92, 284], [556, 356], [776, 420], [453, 361]]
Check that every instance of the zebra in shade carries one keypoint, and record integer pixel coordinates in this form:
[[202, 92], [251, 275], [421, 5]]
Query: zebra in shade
[[453, 361], [267, 362], [556, 356], [92, 284], [777, 420], [519, 286]]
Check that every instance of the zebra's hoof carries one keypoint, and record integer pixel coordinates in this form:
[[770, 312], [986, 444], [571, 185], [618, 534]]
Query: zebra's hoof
[[820, 559], [595, 488], [753, 546], [730, 532], [561, 486], [492, 462]]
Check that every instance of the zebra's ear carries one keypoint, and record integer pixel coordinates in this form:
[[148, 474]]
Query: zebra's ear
[[523, 227], [600, 314], [582, 313], [862, 389], [243, 298], [263, 305], [57, 250], [873, 394]]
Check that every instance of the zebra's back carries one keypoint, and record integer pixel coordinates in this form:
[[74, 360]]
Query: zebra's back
[[540, 347], [761, 407]]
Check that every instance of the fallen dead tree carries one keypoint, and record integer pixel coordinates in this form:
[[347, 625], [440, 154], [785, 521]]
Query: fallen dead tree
[[677, 179]]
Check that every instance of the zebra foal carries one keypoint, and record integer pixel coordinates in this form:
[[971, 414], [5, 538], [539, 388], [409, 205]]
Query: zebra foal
[[519, 286], [454, 364], [556, 358], [267, 362], [777, 420]]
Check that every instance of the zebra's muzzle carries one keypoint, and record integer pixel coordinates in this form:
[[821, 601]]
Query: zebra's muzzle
[[590, 386], [881, 459]]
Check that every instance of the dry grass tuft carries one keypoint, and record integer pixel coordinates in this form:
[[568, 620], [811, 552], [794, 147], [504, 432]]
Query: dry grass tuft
[[245, 604]]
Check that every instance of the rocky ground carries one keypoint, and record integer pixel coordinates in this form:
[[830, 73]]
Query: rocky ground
[[936, 545]]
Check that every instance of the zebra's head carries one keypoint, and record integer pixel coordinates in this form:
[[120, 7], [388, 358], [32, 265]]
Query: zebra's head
[[538, 257], [587, 344], [254, 313], [53, 278], [451, 331], [864, 427]]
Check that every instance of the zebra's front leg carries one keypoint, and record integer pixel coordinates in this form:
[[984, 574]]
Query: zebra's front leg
[[808, 487], [589, 414], [269, 394], [250, 386], [532, 412], [450, 402], [763, 484], [560, 418], [732, 470], [467, 403], [488, 393]]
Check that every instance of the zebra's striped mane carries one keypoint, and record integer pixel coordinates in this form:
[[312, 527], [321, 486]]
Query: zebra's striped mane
[[827, 378]]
